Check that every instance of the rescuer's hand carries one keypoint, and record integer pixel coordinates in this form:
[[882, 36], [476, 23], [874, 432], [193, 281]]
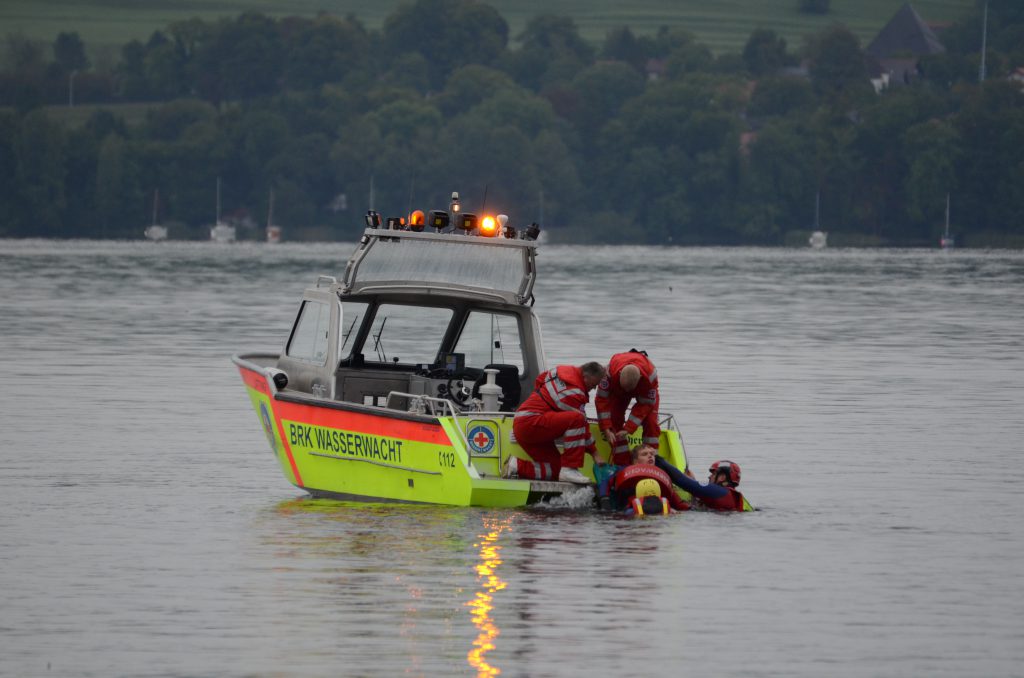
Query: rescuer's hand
[[609, 435]]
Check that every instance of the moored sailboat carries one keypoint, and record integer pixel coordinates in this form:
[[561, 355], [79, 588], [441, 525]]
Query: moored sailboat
[[155, 231], [220, 231], [273, 231], [819, 238], [947, 241]]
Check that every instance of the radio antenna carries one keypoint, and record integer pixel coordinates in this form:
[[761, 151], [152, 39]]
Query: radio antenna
[[412, 182]]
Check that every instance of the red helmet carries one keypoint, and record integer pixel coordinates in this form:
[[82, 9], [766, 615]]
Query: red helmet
[[728, 467]]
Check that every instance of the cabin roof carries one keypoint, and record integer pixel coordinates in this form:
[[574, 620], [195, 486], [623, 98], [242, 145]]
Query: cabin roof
[[407, 262]]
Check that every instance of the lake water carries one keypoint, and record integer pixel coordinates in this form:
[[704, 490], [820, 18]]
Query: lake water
[[875, 400]]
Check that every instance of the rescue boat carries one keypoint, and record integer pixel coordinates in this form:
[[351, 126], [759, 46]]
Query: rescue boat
[[399, 380]]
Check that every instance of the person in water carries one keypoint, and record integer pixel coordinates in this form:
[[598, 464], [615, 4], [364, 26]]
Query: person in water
[[641, 487], [556, 409], [719, 493]]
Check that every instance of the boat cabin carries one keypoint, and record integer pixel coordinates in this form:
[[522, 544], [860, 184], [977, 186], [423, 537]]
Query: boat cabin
[[416, 320]]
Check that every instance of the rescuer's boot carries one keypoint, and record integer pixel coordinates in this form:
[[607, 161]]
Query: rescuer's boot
[[572, 475]]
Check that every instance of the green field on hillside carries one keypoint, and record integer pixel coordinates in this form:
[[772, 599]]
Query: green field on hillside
[[723, 25]]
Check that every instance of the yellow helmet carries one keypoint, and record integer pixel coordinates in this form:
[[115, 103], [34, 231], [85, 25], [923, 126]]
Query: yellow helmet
[[648, 487]]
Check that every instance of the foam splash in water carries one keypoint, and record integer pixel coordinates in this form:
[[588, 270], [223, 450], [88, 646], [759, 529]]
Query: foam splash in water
[[578, 498]]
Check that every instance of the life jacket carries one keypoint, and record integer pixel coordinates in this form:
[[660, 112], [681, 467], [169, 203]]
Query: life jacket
[[731, 501], [625, 481]]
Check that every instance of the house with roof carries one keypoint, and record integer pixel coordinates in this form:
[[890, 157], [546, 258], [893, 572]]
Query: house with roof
[[895, 52]]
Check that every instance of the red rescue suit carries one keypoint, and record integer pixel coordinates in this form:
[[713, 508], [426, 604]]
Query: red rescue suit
[[555, 409], [612, 401], [730, 501]]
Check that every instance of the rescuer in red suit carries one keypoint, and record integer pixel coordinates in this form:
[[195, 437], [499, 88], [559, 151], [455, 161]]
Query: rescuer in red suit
[[720, 493], [631, 377], [555, 409]]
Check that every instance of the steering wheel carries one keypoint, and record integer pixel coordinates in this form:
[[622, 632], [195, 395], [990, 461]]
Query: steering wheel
[[457, 390]]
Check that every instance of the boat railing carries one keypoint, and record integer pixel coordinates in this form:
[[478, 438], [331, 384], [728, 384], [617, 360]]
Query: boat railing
[[424, 404], [669, 422]]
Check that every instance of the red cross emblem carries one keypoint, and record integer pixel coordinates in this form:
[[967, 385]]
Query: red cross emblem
[[481, 439]]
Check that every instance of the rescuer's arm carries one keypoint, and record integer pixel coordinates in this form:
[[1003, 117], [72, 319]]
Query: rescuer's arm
[[604, 411], [646, 402], [699, 490]]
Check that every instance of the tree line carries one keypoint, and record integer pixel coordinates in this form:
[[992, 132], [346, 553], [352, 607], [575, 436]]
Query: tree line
[[643, 138]]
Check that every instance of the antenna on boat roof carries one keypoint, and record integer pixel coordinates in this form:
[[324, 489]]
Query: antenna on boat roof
[[483, 208], [371, 191], [412, 182], [454, 206]]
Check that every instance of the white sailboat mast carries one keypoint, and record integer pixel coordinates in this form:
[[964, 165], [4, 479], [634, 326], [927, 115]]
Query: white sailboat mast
[[947, 215], [984, 41]]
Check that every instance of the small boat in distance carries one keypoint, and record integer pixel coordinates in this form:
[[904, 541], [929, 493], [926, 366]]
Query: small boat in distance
[[946, 241], [819, 238], [155, 231], [273, 231], [221, 232]]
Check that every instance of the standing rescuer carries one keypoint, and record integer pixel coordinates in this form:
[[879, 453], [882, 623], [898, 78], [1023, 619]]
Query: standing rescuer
[[631, 376], [555, 409]]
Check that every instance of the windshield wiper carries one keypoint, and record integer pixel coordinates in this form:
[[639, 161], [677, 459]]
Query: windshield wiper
[[348, 333], [376, 344]]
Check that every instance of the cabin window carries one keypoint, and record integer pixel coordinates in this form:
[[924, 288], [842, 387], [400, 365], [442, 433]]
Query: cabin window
[[408, 335], [352, 316], [491, 338], [309, 340]]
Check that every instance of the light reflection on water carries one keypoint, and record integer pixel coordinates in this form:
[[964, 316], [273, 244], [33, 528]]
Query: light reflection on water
[[483, 601], [872, 398]]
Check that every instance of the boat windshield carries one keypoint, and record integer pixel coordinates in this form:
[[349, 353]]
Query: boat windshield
[[445, 262], [407, 335], [489, 338]]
